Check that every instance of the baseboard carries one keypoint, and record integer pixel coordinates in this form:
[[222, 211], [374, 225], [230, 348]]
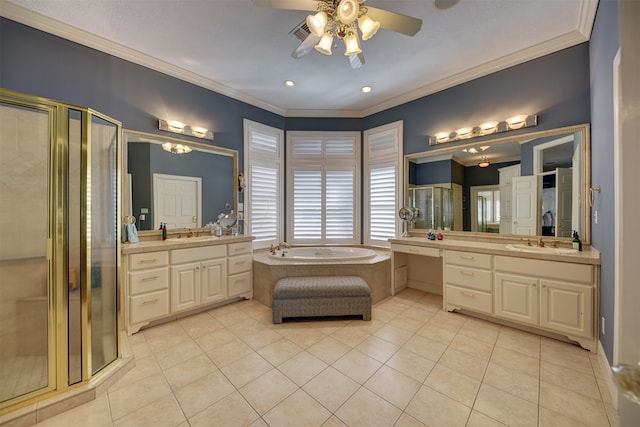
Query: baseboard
[[606, 367]]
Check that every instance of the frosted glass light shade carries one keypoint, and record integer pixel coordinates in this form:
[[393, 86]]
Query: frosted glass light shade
[[352, 44], [324, 45], [368, 27], [317, 23], [347, 11]]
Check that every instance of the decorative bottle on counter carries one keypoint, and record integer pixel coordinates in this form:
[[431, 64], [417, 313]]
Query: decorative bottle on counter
[[164, 231], [577, 243]]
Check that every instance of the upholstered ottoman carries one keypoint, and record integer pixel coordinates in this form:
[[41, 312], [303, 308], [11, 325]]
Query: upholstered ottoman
[[321, 296]]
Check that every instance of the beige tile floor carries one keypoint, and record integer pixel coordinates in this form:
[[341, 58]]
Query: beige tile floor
[[412, 365]]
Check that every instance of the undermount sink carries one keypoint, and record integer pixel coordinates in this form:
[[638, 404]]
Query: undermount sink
[[540, 250]]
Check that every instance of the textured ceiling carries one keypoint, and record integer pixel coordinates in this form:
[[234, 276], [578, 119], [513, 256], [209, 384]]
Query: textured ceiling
[[242, 50]]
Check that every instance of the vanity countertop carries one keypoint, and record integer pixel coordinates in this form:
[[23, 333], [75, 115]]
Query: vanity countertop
[[588, 255], [181, 243]]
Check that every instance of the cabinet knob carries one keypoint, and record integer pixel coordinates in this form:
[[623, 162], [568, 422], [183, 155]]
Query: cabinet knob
[[533, 285], [544, 286]]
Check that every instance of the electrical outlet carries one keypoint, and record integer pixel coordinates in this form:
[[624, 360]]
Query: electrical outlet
[[602, 324]]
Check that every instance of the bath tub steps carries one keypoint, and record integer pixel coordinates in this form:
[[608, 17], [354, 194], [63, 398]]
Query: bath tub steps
[[321, 296]]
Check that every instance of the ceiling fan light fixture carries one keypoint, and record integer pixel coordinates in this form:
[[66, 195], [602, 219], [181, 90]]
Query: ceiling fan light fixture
[[352, 44], [368, 27], [347, 11], [317, 23], [325, 43]]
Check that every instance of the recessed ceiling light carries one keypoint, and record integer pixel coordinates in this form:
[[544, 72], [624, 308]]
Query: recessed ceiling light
[[289, 83], [366, 89]]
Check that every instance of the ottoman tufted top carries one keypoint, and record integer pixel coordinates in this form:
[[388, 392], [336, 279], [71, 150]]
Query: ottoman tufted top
[[320, 287]]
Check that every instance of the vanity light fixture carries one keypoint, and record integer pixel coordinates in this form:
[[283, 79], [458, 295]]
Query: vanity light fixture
[[174, 148], [179, 127], [519, 121]]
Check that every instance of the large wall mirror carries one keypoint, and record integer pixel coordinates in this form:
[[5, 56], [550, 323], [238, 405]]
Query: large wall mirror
[[533, 184], [186, 190]]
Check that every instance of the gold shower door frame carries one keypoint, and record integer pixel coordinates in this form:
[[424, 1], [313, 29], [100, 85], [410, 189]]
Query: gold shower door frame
[[58, 244]]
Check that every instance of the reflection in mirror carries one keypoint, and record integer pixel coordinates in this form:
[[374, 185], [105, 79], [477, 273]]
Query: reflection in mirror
[[181, 190], [532, 184]]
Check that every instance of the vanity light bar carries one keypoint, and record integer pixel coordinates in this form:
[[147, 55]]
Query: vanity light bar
[[520, 121], [179, 127]]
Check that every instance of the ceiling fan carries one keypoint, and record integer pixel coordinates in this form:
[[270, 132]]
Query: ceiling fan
[[337, 18]]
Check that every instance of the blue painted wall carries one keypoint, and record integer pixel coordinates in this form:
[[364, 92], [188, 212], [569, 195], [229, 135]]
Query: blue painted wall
[[605, 42], [41, 64], [556, 87]]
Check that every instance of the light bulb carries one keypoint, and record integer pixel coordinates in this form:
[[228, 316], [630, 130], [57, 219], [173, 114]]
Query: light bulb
[[324, 45], [352, 44], [368, 27]]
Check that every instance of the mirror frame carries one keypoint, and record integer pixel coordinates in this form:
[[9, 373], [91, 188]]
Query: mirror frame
[[153, 138], [585, 174]]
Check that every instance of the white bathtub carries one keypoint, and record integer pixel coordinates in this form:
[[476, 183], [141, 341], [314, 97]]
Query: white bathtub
[[322, 253]]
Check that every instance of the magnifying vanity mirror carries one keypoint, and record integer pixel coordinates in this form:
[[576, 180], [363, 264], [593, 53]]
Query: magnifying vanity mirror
[[187, 190], [533, 184]]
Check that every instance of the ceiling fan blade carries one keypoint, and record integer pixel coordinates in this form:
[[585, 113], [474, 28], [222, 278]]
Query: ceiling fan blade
[[397, 22], [306, 46], [356, 61], [288, 4]]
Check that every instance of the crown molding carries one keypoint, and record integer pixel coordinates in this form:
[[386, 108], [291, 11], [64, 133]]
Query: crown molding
[[581, 34], [65, 31]]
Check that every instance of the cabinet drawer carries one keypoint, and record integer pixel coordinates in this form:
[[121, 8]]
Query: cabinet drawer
[[468, 298], [148, 280], [240, 284], [148, 306], [180, 256], [469, 277], [239, 248], [417, 250], [468, 259], [240, 264], [148, 260], [552, 269]]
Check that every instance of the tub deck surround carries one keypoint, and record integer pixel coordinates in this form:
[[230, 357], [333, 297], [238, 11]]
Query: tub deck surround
[[375, 271], [167, 279], [554, 293]]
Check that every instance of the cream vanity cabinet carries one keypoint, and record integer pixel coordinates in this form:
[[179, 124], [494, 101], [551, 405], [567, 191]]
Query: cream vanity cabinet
[[468, 281], [198, 276], [148, 282], [164, 283], [239, 266], [555, 296]]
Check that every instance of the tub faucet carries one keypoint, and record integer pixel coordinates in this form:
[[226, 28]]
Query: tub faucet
[[283, 245]]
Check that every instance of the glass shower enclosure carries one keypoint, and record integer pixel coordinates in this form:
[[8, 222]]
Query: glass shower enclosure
[[59, 249], [433, 207]]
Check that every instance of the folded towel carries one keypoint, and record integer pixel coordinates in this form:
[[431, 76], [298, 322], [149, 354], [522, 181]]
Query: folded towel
[[132, 233], [125, 234]]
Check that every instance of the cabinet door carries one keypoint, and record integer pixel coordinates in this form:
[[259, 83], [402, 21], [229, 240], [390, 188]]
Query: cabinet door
[[517, 298], [185, 286], [566, 307], [213, 281]]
